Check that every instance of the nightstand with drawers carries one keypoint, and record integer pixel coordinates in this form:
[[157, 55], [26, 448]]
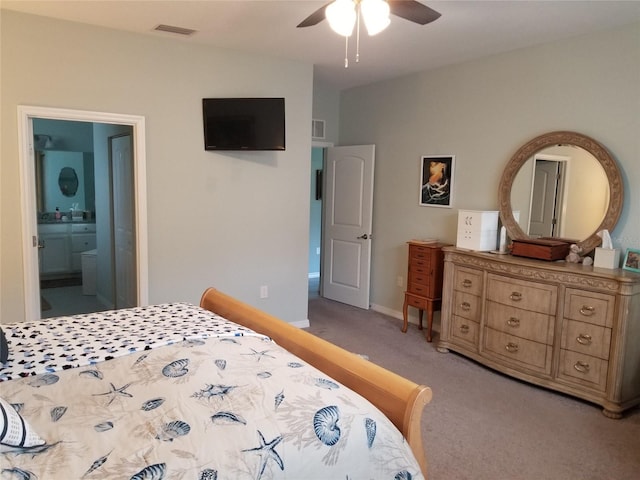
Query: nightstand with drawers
[[424, 282]]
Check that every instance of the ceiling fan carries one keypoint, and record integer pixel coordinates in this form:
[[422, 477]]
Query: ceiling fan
[[344, 15], [408, 9]]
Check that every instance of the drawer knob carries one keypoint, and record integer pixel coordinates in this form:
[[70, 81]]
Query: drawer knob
[[582, 367], [464, 329], [515, 296], [466, 283], [465, 306], [511, 347], [584, 339], [587, 310], [513, 322]]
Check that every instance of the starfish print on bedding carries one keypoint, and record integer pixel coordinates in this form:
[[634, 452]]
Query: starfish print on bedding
[[267, 451], [115, 392], [259, 355]]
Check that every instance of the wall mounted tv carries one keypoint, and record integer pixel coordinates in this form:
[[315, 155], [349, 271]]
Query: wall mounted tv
[[243, 123]]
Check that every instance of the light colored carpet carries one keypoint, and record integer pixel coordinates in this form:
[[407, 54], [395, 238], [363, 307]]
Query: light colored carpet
[[482, 424]]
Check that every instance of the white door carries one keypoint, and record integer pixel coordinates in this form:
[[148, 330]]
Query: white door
[[123, 222], [347, 218]]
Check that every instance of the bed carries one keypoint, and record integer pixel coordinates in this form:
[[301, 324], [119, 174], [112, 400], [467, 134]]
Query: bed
[[215, 391]]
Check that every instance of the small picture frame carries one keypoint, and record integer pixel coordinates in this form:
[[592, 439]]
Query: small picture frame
[[436, 180], [632, 260]]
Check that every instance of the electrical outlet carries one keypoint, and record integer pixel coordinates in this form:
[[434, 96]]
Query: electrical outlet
[[264, 291], [400, 281], [318, 251]]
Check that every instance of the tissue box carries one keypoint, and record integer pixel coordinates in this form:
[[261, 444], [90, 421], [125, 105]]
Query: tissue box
[[607, 258]]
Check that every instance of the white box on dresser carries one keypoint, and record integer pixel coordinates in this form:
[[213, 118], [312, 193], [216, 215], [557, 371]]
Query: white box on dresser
[[477, 229], [567, 327]]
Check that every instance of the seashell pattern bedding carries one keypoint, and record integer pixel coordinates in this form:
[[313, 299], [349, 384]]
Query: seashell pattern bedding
[[227, 404]]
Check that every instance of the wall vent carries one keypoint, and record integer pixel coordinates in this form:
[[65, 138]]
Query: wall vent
[[317, 129], [173, 29]]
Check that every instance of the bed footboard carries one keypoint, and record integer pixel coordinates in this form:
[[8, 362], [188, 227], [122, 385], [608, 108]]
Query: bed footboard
[[400, 399]]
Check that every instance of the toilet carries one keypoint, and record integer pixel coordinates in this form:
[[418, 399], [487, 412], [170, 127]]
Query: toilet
[[88, 263]]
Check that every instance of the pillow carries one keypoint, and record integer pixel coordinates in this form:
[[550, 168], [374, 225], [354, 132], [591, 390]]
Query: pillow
[[4, 347], [14, 430]]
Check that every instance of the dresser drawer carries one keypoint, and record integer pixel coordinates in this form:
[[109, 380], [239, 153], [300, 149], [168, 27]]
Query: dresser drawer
[[420, 289], [465, 330], [583, 370], [521, 323], [468, 281], [416, 302], [420, 267], [592, 307], [524, 353], [82, 242], [533, 296], [465, 305], [419, 252], [419, 278], [586, 338], [83, 228]]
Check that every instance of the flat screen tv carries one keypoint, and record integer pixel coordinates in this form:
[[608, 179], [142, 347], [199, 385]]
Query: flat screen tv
[[243, 123]]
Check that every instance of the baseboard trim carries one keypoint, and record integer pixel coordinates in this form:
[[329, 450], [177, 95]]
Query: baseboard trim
[[302, 324], [387, 311], [413, 319]]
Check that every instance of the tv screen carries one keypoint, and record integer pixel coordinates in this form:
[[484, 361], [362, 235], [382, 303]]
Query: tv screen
[[243, 123]]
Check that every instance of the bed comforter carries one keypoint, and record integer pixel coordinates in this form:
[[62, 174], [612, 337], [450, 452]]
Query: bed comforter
[[174, 391]]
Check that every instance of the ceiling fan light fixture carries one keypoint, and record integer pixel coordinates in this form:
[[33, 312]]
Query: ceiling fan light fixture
[[341, 15], [376, 15]]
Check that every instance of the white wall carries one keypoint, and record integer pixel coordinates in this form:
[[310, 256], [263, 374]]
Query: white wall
[[482, 112], [232, 220], [326, 106]]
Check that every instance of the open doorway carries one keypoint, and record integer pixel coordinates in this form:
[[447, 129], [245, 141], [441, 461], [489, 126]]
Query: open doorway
[[92, 210], [547, 195], [341, 221], [315, 220]]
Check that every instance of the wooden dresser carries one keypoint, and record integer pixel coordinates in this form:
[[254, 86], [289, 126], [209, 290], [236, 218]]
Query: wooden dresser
[[424, 281], [567, 327]]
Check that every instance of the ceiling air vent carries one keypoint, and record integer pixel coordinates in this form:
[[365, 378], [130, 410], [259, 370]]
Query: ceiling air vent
[[317, 129], [177, 30]]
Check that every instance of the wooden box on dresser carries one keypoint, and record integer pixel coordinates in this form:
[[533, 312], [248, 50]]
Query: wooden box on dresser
[[567, 327]]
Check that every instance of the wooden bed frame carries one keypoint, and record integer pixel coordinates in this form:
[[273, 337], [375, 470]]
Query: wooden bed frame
[[400, 399]]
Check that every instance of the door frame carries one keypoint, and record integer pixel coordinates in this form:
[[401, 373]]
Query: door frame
[[323, 146], [26, 152], [356, 297], [562, 189]]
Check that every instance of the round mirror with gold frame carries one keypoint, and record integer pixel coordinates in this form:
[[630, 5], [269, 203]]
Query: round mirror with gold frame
[[592, 170]]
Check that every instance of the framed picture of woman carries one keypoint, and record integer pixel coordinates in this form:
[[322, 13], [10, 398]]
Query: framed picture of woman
[[436, 180]]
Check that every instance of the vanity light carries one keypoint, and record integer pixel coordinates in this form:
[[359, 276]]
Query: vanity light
[[47, 138], [344, 15]]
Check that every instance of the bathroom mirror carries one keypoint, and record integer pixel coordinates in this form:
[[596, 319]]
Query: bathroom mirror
[[572, 178], [68, 182], [64, 180]]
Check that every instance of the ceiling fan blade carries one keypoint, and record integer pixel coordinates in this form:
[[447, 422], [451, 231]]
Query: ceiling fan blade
[[413, 11], [315, 18]]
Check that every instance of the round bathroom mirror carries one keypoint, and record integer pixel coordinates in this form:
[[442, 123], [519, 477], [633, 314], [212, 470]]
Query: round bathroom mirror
[[68, 182]]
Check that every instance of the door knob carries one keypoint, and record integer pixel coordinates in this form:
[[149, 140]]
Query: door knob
[[365, 237]]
